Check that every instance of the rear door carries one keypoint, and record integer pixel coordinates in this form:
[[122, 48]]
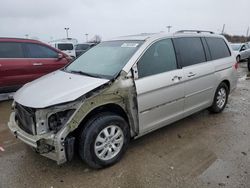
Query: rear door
[[14, 67], [198, 73], [159, 87], [43, 59]]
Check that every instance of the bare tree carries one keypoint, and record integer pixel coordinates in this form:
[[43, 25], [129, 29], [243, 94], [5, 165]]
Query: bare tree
[[96, 39]]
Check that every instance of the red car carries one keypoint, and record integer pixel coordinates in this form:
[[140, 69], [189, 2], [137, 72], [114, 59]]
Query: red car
[[23, 60]]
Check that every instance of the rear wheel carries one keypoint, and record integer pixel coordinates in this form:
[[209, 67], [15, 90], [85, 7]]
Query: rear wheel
[[220, 98], [104, 140], [248, 64]]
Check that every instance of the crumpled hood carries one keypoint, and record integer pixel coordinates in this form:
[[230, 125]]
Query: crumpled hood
[[55, 88]]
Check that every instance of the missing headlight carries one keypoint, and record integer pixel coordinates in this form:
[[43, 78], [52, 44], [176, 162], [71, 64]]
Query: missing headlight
[[57, 120]]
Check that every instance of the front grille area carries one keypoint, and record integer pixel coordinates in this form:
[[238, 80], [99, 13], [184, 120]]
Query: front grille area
[[25, 118]]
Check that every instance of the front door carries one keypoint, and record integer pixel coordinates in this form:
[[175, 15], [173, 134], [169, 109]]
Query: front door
[[14, 67], [43, 59], [159, 86]]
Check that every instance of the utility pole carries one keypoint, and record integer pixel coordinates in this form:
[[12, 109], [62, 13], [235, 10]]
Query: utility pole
[[67, 31], [223, 29], [247, 34], [86, 35], [169, 27]]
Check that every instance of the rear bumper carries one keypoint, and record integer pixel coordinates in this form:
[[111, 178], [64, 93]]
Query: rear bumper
[[40, 142]]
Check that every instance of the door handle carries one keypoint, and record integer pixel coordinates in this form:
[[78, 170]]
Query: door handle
[[37, 64], [176, 78], [191, 74]]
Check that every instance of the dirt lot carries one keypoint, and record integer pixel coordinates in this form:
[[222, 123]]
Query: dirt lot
[[203, 150]]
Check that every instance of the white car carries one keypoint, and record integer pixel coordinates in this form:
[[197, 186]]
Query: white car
[[66, 47], [242, 51]]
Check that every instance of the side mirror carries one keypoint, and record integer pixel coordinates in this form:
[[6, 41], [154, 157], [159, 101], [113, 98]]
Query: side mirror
[[60, 56]]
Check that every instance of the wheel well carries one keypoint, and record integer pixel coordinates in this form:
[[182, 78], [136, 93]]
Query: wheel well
[[227, 83], [114, 108], [108, 108]]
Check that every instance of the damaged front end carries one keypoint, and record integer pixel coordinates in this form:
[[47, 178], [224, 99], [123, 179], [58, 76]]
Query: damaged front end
[[44, 129], [48, 130]]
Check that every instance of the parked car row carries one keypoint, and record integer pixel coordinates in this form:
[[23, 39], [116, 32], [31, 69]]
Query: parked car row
[[120, 90], [71, 46]]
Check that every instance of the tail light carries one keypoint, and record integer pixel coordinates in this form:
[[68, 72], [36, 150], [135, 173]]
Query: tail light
[[69, 59]]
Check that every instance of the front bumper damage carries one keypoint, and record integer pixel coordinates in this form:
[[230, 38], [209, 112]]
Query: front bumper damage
[[50, 145]]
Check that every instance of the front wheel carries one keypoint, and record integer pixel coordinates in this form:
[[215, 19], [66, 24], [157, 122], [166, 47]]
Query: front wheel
[[238, 59], [104, 140], [220, 98]]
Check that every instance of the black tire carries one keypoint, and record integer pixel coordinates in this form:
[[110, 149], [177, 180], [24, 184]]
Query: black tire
[[248, 64], [89, 134], [215, 108], [238, 59]]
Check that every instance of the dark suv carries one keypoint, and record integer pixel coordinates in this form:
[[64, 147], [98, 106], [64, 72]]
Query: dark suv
[[23, 60], [82, 48]]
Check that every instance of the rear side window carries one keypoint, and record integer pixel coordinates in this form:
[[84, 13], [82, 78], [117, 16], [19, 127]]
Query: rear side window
[[11, 50], [39, 51], [82, 46], [190, 50], [65, 46], [159, 58], [218, 48]]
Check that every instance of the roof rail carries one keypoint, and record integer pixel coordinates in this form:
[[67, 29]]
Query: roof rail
[[194, 31]]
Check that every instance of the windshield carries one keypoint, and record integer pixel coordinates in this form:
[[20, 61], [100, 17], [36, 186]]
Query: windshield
[[236, 47], [105, 60], [82, 46], [65, 46]]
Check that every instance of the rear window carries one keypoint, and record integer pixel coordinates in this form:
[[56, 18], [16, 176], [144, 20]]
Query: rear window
[[190, 50], [65, 46], [218, 48], [82, 46], [236, 47], [11, 50]]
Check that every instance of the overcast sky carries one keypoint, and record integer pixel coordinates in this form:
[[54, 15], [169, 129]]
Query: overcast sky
[[46, 19]]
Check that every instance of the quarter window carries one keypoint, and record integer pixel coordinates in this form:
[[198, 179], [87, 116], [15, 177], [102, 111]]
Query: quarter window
[[39, 51], [218, 48], [159, 58], [11, 50], [190, 51]]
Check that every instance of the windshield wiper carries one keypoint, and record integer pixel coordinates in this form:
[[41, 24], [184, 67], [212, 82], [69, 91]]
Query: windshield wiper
[[85, 74]]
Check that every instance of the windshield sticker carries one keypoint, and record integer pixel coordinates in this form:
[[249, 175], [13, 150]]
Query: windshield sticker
[[129, 45]]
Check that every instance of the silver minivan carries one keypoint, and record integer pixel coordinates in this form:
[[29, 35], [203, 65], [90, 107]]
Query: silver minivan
[[120, 90]]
